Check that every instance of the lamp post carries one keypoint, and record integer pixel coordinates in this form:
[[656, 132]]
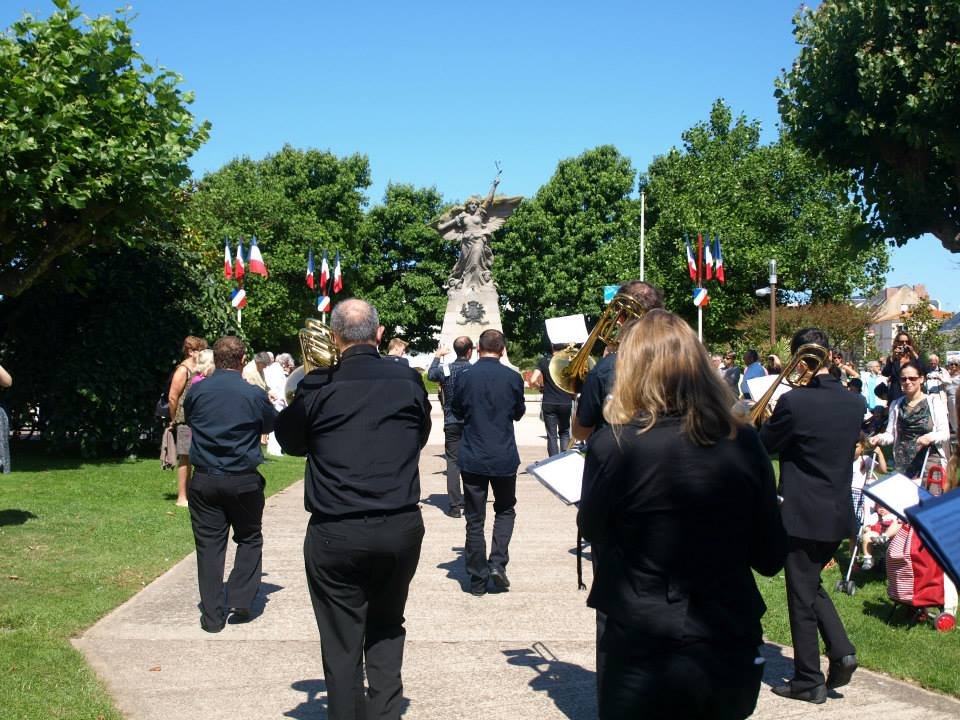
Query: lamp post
[[773, 303]]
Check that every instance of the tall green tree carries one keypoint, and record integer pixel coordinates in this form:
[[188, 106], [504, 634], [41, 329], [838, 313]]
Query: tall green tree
[[291, 201], [405, 264], [558, 250], [93, 144], [875, 91], [766, 202]]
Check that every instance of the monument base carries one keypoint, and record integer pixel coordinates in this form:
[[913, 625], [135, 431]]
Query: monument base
[[469, 312]]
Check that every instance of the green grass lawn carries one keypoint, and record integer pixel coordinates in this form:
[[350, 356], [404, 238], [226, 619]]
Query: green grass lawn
[[902, 648], [76, 540]]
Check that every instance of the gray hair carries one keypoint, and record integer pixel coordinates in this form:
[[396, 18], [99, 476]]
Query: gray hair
[[262, 358], [285, 359], [355, 321], [205, 365]]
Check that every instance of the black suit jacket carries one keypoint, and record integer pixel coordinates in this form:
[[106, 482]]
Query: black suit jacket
[[679, 527], [814, 430]]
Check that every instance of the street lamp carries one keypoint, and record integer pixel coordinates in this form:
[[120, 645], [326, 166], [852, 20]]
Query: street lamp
[[773, 303]]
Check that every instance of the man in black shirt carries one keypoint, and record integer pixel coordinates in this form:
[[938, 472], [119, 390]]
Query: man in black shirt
[[489, 398], [599, 381], [361, 424], [556, 404], [227, 415], [446, 376]]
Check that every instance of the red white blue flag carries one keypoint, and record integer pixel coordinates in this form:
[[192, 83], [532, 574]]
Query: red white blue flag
[[256, 259], [323, 303], [691, 263], [718, 259], [239, 298], [238, 265], [700, 297], [337, 279], [310, 269], [324, 272], [227, 263], [708, 259]]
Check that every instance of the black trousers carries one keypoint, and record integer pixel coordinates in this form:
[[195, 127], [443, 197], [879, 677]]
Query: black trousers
[[359, 571], [556, 419], [217, 503], [451, 449], [475, 489], [810, 609], [652, 678]]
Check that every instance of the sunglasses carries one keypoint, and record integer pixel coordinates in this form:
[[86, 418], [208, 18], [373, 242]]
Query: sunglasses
[[909, 378]]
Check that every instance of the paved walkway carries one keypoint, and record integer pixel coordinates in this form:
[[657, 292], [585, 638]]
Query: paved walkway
[[527, 653]]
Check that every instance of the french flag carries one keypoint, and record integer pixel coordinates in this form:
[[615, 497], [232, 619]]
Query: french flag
[[238, 265], [718, 259], [700, 297], [708, 259], [691, 263], [239, 298], [310, 269], [337, 279], [323, 303], [324, 272], [227, 264], [256, 259]]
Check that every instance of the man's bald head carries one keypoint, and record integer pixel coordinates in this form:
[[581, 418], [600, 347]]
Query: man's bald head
[[355, 322]]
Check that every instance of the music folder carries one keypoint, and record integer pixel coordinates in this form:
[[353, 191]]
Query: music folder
[[937, 520], [896, 492], [562, 474]]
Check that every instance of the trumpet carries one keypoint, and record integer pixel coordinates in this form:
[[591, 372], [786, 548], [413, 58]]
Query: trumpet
[[570, 366], [805, 363], [318, 349]]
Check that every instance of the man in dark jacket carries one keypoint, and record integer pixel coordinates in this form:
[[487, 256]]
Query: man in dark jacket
[[489, 398], [446, 376], [361, 424], [814, 430], [227, 415]]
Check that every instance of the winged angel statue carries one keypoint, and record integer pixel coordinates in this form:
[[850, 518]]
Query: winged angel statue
[[472, 224]]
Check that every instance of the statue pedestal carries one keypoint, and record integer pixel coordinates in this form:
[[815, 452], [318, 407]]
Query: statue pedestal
[[469, 312]]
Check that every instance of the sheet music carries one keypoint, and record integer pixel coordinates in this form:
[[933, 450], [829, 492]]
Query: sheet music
[[896, 492], [759, 385], [562, 474], [938, 522], [567, 329]]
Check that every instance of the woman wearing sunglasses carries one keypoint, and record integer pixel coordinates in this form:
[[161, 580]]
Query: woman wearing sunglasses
[[916, 425]]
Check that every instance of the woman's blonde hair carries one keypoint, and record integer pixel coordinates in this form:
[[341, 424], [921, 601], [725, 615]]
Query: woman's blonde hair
[[663, 369]]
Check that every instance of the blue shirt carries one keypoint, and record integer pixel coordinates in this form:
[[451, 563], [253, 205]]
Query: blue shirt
[[754, 370], [227, 416], [489, 398]]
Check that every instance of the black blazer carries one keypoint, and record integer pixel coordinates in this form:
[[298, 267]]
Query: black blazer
[[814, 430], [678, 528]]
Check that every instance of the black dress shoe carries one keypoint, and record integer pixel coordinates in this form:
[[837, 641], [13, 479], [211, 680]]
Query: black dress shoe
[[454, 512], [499, 578], [841, 671], [239, 615], [478, 591], [211, 628], [815, 695]]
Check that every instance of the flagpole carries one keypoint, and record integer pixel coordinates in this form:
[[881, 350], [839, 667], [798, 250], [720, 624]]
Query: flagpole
[[643, 204], [699, 285]]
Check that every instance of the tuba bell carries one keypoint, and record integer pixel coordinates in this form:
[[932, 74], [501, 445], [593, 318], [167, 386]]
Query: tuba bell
[[318, 349], [806, 362], [570, 366]]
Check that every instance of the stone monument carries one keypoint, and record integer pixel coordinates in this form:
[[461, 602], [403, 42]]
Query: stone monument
[[473, 304]]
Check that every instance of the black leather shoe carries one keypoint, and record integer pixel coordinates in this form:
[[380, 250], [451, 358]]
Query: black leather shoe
[[841, 671], [211, 628], [816, 695], [478, 591], [239, 615], [454, 512], [499, 578]]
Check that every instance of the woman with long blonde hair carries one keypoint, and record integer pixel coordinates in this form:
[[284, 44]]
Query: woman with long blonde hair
[[680, 504]]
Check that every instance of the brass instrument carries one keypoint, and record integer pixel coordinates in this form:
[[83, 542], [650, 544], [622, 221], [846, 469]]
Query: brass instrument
[[318, 349], [796, 373], [570, 366]]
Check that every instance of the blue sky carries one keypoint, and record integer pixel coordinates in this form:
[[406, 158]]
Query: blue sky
[[434, 92]]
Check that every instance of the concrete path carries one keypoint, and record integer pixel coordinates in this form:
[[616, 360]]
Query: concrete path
[[527, 653]]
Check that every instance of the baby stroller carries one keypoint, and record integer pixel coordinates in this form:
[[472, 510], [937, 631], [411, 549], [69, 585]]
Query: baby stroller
[[914, 579], [847, 585]]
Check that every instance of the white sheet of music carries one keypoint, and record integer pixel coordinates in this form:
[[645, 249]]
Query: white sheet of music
[[896, 493], [759, 385], [567, 329], [562, 474]]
